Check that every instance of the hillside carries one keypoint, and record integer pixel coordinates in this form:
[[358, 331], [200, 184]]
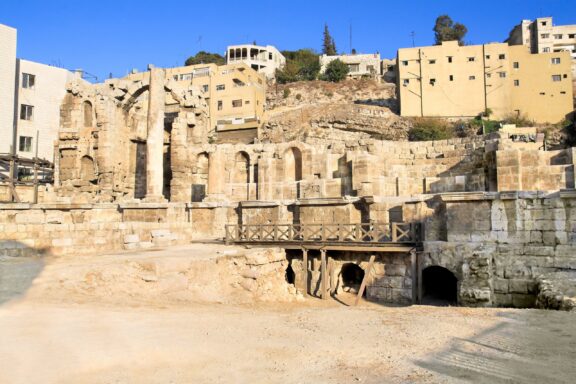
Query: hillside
[[350, 110]]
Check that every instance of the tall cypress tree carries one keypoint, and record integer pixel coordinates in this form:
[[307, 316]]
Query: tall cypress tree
[[328, 45]]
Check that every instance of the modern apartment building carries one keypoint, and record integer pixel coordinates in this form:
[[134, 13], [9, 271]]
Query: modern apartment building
[[542, 36], [29, 103], [358, 64], [264, 59], [449, 80]]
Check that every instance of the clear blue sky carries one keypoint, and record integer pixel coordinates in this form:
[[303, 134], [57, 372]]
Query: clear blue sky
[[105, 37]]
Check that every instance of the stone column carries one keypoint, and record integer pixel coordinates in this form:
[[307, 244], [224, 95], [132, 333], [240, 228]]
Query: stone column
[[155, 139]]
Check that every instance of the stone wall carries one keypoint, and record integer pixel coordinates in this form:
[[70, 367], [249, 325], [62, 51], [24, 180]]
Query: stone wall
[[498, 244], [80, 228]]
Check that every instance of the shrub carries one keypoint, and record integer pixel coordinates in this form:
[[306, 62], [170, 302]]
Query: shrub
[[336, 71], [518, 119], [426, 129], [286, 93], [298, 97]]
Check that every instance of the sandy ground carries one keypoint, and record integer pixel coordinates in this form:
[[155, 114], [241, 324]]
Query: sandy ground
[[310, 341]]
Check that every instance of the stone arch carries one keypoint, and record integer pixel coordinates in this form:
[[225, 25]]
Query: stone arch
[[439, 286], [87, 171], [293, 171], [352, 276], [88, 113], [241, 174], [200, 177]]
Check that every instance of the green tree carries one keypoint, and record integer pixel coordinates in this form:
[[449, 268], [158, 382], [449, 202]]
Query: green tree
[[300, 65], [336, 71], [328, 44], [446, 30], [204, 57]]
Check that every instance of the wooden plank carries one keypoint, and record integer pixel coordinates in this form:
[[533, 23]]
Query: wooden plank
[[305, 270], [331, 285], [367, 273], [323, 276]]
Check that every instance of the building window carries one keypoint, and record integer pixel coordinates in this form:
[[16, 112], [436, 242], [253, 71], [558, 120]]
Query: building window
[[472, 77], [572, 35], [565, 76], [562, 92], [544, 23], [487, 57], [405, 82], [451, 77], [558, 36], [449, 59], [555, 60], [516, 83], [220, 87], [488, 75], [544, 35], [546, 49], [433, 61], [432, 81], [270, 56], [542, 93], [404, 62], [219, 105], [236, 103], [516, 65], [556, 78], [501, 56], [205, 88], [502, 74], [354, 68], [28, 80], [25, 144], [246, 102], [26, 112], [370, 69], [471, 59]]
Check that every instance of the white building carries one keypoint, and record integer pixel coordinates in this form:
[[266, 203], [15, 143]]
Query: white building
[[264, 59], [8, 82], [30, 106], [358, 64]]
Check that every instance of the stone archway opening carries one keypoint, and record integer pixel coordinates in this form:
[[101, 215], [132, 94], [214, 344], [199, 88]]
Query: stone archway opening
[[439, 287], [352, 276]]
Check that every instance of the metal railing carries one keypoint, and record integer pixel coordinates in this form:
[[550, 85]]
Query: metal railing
[[398, 233]]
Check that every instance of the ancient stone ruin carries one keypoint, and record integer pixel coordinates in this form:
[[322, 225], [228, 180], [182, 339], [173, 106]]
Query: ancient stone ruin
[[472, 221]]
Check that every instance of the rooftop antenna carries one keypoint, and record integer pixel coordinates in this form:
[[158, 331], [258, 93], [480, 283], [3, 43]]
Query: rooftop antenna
[[350, 36], [412, 34], [199, 42]]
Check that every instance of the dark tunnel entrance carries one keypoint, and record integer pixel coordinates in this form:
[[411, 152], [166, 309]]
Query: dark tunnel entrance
[[352, 276], [439, 287]]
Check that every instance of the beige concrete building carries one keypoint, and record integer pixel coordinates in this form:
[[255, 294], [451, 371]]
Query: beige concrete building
[[449, 80], [7, 79], [542, 36], [358, 64], [235, 95], [264, 59]]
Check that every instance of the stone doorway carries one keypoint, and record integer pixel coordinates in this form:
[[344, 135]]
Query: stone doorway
[[439, 287]]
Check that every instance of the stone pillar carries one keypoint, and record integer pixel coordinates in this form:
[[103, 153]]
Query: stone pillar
[[155, 139]]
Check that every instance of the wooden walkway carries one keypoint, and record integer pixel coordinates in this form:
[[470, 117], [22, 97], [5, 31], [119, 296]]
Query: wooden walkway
[[380, 237]]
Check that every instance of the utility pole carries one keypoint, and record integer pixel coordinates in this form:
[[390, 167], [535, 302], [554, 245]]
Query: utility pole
[[350, 37], [412, 34], [36, 170]]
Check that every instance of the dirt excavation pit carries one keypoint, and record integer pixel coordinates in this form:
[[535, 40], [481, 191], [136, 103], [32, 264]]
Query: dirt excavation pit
[[214, 314]]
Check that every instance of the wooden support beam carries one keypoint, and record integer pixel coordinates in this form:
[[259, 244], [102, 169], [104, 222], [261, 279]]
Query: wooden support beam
[[323, 277], [414, 273], [305, 270], [331, 285], [367, 273], [419, 262]]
